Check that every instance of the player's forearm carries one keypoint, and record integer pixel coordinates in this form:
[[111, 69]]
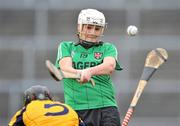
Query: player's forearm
[[69, 69], [106, 68], [66, 65], [102, 69]]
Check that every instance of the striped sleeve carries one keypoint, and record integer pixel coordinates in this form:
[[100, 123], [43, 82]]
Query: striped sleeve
[[17, 119]]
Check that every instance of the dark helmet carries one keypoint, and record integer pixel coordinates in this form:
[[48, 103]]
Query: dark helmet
[[36, 92]]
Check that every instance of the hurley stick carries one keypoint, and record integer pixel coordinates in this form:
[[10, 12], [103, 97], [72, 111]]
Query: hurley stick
[[155, 58]]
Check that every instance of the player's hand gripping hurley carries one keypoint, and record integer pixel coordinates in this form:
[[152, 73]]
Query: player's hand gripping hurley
[[154, 59], [58, 74]]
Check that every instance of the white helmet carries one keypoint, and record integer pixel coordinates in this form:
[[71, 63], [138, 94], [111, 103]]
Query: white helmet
[[91, 16]]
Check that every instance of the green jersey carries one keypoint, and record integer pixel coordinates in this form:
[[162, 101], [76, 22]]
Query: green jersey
[[85, 96]]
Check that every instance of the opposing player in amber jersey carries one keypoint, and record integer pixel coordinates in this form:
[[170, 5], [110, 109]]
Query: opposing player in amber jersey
[[41, 110], [91, 58]]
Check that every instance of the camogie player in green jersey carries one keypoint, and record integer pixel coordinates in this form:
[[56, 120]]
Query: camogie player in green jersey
[[91, 58]]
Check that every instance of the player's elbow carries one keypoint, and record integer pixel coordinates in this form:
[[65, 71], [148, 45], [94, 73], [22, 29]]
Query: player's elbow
[[111, 68], [110, 64]]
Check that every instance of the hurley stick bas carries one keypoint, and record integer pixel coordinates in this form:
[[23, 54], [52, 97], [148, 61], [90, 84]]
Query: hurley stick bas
[[58, 74], [154, 59]]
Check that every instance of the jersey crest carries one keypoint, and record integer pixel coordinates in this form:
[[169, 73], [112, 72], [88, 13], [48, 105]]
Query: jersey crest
[[98, 55]]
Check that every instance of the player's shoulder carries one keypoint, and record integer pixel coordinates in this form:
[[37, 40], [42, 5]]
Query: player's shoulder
[[18, 112], [108, 44], [67, 43]]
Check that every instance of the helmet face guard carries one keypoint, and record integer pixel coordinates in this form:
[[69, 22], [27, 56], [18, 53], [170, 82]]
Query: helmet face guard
[[91, 17], [37, 92]]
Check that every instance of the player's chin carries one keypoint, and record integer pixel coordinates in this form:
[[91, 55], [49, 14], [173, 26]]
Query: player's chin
[[92, 36], [92, 39]]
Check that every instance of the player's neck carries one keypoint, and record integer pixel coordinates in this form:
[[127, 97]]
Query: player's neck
[[89, 44]]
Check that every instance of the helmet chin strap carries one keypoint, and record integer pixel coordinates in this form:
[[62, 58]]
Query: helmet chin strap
[[88, 44]]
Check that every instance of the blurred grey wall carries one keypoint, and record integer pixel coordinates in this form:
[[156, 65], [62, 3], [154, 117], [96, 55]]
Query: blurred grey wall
[[30, 31]]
